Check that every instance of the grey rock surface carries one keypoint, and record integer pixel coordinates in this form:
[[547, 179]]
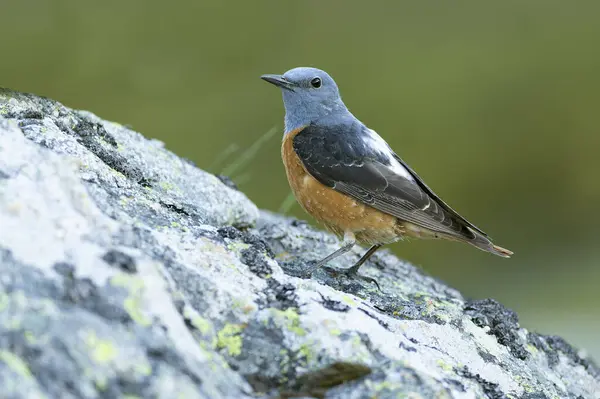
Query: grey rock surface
[[127, 272]]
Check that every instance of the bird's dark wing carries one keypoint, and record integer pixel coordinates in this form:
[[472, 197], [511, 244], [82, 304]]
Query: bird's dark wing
[[436, 198], [352, 159]]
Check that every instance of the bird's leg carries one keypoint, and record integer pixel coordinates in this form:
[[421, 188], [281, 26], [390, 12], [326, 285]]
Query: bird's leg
[[353, 270], [347, 244], [363, 259]]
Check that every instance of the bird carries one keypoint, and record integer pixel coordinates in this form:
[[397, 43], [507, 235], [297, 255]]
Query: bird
[[349, 179]]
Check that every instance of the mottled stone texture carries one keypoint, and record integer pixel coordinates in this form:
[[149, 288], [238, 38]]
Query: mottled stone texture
[[126, 271]]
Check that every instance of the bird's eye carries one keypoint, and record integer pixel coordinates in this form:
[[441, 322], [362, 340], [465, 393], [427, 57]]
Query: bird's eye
[[316, 82]]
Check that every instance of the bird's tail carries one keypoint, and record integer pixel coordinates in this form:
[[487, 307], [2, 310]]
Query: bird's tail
[[503, 252], [482, 242]]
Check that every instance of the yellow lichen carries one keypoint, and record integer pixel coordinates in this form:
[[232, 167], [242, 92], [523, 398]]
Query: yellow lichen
[[348, 300], [29, 337], [237, 246], [229, 338], [100, 382], [384, 386], [307, 352], [132, 304], [199, 322], [103, 351], [133, 307], [166, 185], [443, 365], [15, 363], [143, 369], [290, 320], [3, 301]]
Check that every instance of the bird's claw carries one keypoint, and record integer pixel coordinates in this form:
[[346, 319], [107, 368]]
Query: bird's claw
[[310, 268], [352, 273]]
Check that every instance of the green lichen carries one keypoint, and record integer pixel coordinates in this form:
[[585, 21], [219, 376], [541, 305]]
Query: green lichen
[[144, 369], [532, 349], [102, 351], [237, 247], [238, 304], [445, 318], [101, 382], [442, 394], [284, 366], [356, 342], [117, 173], [306, 351], [348, 300], [132, 304], [133, 307], [166, 185], [527, 387], [202, 325], [199, 322], [15, 363], [29, 337], [443, 365], [103, 141], [383, 386], [229, 339], [290, 319], [231, 266]]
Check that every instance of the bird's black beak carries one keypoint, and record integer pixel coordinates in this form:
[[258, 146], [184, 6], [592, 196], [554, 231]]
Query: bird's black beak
[[279, 81]]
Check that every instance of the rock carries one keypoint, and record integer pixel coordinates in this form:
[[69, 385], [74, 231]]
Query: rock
[[126, 271]]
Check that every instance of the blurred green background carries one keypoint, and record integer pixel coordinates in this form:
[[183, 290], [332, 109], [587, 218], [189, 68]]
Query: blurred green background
[[495, 104]]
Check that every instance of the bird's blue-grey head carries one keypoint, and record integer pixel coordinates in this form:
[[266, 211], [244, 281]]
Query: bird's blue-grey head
[[309, 94]]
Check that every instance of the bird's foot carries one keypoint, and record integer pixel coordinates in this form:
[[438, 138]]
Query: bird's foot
[[309, 269], [352, 273]]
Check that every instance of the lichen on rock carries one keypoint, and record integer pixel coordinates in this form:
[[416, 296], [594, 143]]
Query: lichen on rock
[[126, 271]]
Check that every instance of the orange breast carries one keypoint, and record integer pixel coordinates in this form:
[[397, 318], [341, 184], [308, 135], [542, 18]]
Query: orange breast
[[338, 212]]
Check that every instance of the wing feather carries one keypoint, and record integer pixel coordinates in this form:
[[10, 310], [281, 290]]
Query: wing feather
[[348, 158]]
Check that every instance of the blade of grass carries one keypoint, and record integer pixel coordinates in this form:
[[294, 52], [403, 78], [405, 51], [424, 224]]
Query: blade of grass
[[287, 203], [247, 155], [221, 157], [242, 179]]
